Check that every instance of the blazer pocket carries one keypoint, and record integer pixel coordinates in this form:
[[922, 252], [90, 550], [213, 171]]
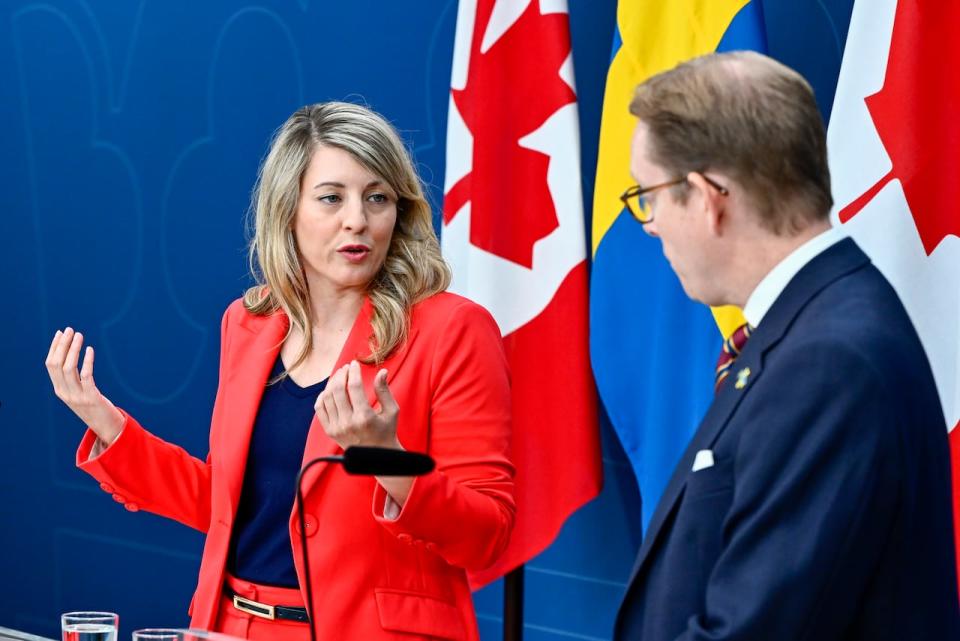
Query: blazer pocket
[[711, 480], [413, 613]]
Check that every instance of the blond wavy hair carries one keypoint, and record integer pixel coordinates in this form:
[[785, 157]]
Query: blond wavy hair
[[413, 268]]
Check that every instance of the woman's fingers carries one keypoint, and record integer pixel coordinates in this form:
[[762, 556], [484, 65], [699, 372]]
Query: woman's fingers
[[320, 407], [55, 362], [86, 372], [326, 409], [64, 346], [53, 367], [357, 396], [60, 351], [53, 348], [337, 387], [388, 404], [77, 389], [346, 415], [70, 377]]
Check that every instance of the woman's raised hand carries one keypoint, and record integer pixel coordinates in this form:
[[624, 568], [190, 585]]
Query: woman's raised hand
[[77, 389], [348, 418]]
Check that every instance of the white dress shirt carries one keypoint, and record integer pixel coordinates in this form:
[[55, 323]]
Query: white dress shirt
[[773, 284]]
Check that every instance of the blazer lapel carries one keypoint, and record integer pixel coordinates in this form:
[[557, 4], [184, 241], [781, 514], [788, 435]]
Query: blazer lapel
[[252, 352], [835, 262], [356, 347], [719, 412]]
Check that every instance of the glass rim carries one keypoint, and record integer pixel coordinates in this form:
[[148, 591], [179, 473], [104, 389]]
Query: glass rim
[[90, 614], [158, 633]]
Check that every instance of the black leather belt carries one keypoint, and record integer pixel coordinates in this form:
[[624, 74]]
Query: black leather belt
[[265, 611]]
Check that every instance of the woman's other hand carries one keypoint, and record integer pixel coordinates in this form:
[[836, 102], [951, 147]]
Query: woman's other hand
[[348, 418], [77, 389]]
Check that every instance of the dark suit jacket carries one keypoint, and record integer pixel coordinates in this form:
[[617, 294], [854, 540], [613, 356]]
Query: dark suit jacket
[[827, 514]]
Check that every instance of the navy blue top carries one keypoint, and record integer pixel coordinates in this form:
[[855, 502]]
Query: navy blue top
[[260, 548]]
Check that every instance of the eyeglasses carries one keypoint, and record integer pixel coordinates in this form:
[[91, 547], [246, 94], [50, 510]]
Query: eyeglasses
[[639, 205]]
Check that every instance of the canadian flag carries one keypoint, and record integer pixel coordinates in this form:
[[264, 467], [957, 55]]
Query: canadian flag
[[894, 143], [513, 233]]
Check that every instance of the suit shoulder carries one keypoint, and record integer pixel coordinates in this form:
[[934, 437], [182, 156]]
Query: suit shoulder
[[234, 312], [235, 307], [238, 314], [873, 367], [863, 314], [830, 353], [448, 309], [863, 298]]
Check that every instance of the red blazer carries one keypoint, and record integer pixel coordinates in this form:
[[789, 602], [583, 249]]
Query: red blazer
[[372, 578]]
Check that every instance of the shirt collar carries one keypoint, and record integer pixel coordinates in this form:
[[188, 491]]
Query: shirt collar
[[773, 284]]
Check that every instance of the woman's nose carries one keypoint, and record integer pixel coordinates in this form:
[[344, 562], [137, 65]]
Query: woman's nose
[[354, 214]]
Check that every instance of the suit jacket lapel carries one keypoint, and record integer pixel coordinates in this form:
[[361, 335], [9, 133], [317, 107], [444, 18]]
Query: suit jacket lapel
[[252, 352], [725, 402], [835, 262]]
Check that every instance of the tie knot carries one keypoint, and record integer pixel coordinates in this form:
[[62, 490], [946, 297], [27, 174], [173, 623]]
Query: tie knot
[[732, 347]]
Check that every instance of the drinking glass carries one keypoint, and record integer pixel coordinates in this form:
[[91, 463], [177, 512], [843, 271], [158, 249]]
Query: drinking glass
[[89, 626], [161, 634]]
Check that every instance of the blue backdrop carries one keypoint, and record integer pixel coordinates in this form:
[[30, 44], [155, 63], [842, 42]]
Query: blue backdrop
[[131, 139]]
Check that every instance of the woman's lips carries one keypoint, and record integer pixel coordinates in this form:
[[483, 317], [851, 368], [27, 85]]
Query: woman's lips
[[354, 253]]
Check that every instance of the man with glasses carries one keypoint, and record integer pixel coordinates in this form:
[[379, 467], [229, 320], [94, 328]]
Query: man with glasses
[[814, 500]]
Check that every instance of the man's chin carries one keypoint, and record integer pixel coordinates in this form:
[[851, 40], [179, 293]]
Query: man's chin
[[691, 294], [699, 296]]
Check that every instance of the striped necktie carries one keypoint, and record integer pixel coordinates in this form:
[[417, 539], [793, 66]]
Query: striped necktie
[[731, 349]]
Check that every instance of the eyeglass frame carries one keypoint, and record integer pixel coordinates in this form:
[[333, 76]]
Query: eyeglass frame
[[637, 191]]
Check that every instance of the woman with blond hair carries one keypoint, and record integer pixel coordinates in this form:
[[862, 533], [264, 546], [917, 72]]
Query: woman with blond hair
[[347, 339]]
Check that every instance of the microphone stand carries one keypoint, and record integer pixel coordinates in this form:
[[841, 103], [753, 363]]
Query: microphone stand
[[311, 620], [513, 604], [364, 461]]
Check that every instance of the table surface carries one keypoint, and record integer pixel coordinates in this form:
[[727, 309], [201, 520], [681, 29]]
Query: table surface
[[7, 634]]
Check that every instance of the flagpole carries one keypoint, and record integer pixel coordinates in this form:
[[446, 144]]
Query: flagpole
[[513, 605]]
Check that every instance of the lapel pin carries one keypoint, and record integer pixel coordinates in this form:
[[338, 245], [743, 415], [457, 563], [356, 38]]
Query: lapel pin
[[742, 377]]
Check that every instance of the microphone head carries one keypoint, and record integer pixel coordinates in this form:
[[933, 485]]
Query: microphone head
[[382, 461]]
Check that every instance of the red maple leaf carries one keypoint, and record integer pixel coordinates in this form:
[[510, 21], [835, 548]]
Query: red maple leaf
[[916, 116], [511, 90]]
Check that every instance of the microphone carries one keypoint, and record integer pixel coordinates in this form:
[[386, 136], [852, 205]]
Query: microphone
[[362, 461], [380, 461]]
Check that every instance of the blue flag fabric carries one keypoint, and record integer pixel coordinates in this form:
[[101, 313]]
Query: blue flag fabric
[[652, 348]]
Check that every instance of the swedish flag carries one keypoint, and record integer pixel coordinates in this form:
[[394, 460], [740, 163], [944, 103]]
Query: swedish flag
[[653, 349]]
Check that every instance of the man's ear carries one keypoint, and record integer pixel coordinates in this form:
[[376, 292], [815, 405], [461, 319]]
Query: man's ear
[[713, 203]]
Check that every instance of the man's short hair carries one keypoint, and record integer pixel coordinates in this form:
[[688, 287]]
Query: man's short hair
[[746, 115]]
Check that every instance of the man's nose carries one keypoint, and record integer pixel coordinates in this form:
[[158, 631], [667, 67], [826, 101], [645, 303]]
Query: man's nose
[[651, 228]]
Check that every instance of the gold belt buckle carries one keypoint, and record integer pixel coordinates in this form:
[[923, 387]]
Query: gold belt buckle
[[252, 607]]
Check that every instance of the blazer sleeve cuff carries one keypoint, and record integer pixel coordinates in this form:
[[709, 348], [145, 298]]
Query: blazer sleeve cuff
[[396, 518], [94, 459]]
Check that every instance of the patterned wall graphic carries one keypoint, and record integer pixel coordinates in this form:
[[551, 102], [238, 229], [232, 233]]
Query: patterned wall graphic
[[131, 139]]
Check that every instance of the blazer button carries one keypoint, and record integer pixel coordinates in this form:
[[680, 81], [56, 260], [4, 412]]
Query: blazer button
[[132, 507], [106, 487], [119, 498], [405, 538], [310, 522], [431, 547]]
